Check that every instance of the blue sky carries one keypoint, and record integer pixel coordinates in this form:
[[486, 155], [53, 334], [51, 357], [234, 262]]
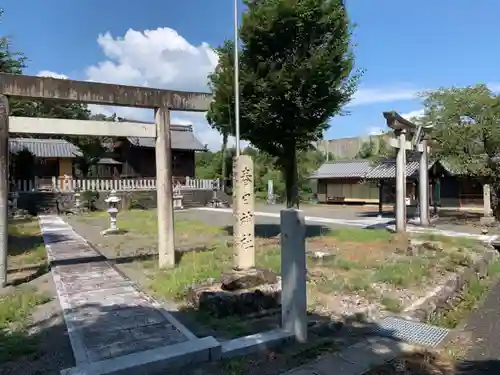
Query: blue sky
[[405, 47]]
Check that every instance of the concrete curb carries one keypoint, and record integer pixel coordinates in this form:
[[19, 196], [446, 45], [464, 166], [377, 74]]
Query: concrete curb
[[439, 299], [357, 359]]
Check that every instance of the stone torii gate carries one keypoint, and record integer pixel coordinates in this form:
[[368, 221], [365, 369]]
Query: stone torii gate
[[418, 143], [161, 101]]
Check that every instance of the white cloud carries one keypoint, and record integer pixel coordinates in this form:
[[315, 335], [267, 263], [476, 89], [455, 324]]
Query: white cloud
[[48, 73], [159, 58], [416, 113], [383, 95], [163, 58], [494, 86]]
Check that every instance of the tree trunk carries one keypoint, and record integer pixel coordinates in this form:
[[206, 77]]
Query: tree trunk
[[223, 165], [290, 176]]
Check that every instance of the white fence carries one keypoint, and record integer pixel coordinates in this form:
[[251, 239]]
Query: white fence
[[136, 184]]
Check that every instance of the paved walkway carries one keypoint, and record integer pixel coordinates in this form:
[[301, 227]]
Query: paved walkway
[[483, 325], [111, 324], [371, 222]]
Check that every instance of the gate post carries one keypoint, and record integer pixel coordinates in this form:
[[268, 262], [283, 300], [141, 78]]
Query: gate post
[[4, 186], [164, 196]]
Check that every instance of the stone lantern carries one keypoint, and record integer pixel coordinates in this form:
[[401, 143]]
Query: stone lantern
[[77, 196], [113, 200], [177, 197]]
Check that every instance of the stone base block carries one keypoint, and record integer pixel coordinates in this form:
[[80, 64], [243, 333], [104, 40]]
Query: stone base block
[[222, 303], [154, 361], [239, 280], [253, 343], [487, 220], [321, 255]]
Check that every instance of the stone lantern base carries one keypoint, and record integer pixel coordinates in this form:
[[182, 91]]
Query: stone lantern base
[[178, 202]]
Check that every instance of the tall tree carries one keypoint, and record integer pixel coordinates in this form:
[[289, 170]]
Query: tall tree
[[295, 74], [467, 130], [375, 149]]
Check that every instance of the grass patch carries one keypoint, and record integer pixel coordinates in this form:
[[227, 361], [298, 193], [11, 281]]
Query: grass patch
[[474, 293], [403, 273], [391, 304], [15, 312], [359, 235], [26, 246], [145, 222], [463, 242], [194, 267]]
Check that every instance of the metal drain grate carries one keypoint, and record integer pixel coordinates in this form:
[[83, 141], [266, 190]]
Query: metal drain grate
[[411, 332]]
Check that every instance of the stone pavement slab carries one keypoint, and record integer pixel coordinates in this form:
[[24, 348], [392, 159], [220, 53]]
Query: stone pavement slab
[[106, 315]]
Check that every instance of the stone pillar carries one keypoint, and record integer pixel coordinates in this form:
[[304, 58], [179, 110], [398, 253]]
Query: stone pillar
[[4, 186], [423, 184], [401, 182], [380, 198], [488, 218], [244, 202], [293, 274], [270, 192], [166, 250]]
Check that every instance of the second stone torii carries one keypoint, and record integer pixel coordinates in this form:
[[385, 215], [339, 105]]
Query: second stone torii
[[418, 142]]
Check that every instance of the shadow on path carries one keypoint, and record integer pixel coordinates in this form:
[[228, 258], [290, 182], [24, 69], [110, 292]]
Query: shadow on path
[[273, 230]]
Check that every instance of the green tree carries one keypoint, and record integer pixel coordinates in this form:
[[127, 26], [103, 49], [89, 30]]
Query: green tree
[[295, 74], [265, 169], [466, 131], [375, 149]]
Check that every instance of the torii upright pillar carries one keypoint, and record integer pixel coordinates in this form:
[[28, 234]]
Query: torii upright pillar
[[401, 128], [423, 183]]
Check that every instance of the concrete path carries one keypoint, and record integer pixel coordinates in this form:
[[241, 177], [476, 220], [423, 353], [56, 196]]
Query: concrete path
[[360, 222], [111, 324], [483, 326], [371, 222]]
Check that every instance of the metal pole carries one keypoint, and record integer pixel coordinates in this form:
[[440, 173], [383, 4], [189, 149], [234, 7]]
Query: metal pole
[[236, 81]]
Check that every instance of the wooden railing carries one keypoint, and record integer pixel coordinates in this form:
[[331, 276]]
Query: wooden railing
[[68, 184]]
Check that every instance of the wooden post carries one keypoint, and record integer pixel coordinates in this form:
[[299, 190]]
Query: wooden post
[[164, 196], [4, 186], [293, 274]]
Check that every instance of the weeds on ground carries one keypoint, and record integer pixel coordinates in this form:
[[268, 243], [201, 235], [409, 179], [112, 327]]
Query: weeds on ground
[[25, 245], [359, 235], [403, 273], [473, 294], [15, 312]]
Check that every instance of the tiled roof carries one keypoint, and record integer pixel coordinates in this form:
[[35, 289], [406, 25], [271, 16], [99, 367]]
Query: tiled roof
[[183, 138], [344, 169], [108, 161], [365, 169], [387, 169], [44, 148]]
